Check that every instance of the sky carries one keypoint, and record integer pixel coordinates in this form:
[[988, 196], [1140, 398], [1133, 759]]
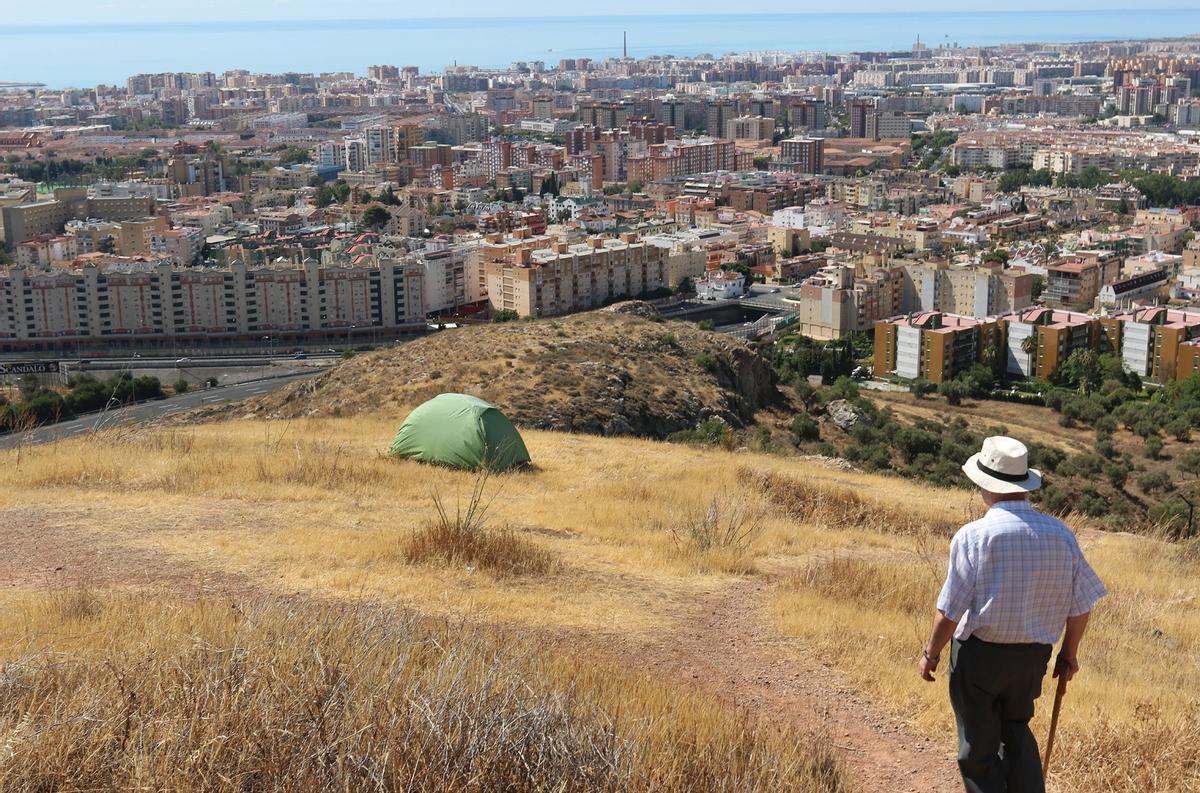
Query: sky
[[157, 11]]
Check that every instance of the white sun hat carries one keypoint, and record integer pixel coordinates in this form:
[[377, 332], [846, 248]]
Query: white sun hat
[[1002, 466]]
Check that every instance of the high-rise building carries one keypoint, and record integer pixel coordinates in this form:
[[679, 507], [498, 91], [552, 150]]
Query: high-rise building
[[806, 153], [858, 110], [718, 113]]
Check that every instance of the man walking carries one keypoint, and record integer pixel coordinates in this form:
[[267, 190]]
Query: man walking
[[1016, 579]]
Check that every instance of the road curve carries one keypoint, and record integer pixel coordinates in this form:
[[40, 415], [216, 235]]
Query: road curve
[[146, 411]]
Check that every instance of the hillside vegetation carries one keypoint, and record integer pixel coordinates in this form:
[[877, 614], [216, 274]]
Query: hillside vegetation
[[266, 570], [603, 372]]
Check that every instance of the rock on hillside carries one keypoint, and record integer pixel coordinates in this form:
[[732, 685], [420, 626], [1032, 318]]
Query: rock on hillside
[[609, 372]]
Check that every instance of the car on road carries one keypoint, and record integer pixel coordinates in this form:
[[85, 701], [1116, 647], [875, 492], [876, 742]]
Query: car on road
[[300, 356]]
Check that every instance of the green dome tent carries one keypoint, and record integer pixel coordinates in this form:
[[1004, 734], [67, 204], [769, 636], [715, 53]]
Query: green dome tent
[[460, 431]]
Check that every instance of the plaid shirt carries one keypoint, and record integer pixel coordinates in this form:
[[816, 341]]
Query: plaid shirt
[[1015, 576]]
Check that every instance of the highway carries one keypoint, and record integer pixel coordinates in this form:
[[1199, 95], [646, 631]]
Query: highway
[[147, 411]]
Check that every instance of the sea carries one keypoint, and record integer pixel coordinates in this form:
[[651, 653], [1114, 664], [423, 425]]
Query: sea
[[61, 56]]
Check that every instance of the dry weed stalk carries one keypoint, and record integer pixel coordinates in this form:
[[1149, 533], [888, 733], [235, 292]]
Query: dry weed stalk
[[465, 538]]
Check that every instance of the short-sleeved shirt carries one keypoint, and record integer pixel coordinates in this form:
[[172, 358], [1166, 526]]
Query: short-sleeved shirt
[[1015, 576]]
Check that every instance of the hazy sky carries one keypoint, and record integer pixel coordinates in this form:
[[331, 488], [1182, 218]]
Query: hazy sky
[[127, 11]]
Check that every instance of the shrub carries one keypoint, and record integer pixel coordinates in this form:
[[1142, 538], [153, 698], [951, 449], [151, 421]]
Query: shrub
[[1117, 474], [1044, 457], [1153, 447], [1085, 465], [713, 431], [844, 388], [1053, 500], [1155, 482], [805, 428], [922, 387], [705, 324], [1189, 462], [181, 386], [955, 391], [1180, 429], [464, 538], [707, 361]]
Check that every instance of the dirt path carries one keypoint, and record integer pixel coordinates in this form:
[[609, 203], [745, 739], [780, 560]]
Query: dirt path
[[725, 646], [46, 549]]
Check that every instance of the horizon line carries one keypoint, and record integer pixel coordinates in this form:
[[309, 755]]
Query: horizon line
[[629, 15]]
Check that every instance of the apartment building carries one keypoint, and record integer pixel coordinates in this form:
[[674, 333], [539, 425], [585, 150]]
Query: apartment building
[[806, 153], [1038, 340], [1155, 342], [544, 277], [40, 252], [835, 302], [685, 157], [882, 124], [933, 345], [163, 301], [753, 128], [974, 291], [182, 245], [1077, 280]]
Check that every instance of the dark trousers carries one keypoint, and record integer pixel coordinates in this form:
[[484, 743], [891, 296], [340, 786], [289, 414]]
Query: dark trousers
[[992, 689]]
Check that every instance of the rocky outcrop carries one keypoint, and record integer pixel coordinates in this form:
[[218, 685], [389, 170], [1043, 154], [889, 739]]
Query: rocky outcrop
[[846, 415]]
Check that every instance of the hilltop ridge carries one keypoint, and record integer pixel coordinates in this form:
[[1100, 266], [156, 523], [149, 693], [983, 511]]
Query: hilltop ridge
[[619, 371]]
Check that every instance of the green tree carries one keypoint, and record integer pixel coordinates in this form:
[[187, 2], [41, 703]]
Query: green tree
[[922, 387], [805, 429], [376, 217], [293, 155], [955, 391], [1189, 462], [1082, 370]]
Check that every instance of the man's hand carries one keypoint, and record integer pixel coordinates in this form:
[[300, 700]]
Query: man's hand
[[927, 666], [1066, 665]]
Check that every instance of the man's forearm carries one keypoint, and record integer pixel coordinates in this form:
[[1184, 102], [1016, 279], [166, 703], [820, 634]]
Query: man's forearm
[[1076, 626], [943, 631]]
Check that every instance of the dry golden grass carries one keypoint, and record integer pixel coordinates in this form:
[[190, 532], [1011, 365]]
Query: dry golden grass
[[313, 507], [129, 693]]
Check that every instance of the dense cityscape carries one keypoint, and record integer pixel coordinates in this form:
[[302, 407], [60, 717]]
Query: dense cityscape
[[609, 421], [962, 198]]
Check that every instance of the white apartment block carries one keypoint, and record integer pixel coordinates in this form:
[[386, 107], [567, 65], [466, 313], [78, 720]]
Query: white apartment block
[[166, 301]]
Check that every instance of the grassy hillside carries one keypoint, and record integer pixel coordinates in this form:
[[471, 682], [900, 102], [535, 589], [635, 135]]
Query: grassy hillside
[[153, 568], [601, 372]]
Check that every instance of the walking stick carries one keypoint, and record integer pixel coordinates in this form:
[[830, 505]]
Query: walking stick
[[1058, 698]]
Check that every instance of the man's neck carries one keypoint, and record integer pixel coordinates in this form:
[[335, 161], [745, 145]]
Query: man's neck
[[1005, 499]]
